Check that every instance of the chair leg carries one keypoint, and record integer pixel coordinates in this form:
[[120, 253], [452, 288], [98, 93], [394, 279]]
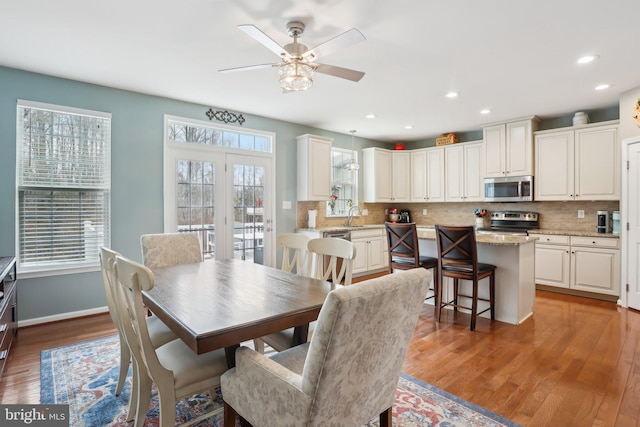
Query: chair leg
[[125, 360], [492, 295], [474, 305], [386, 420], [258, 344], [229, 415], [455, 294], [438, 286]]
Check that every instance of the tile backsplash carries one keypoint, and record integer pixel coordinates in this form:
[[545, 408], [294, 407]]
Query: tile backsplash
[[553, 215]]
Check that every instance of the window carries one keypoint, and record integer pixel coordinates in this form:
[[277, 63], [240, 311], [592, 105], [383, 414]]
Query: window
[[63, 184], [193, 133], [344, 183]]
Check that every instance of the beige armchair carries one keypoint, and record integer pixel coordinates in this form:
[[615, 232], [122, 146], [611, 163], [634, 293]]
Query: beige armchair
[[348, 373]]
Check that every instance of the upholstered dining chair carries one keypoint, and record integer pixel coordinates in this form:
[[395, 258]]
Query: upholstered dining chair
[[176, 370], [295, 259], [159, 333], [458, 259], [347, 374], [295, 254], [332, 259], [404, 251], [164, 250]]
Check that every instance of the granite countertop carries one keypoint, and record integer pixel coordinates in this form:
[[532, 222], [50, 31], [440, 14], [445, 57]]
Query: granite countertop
[[428, 232], [574, 233]]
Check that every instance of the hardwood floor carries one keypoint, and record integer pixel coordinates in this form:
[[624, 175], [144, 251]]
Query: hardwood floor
[[575, 363]]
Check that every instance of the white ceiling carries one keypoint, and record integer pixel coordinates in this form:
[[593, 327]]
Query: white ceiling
[[515, 57]]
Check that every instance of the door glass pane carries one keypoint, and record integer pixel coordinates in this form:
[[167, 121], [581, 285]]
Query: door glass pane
[[196, 207], [248, 226]]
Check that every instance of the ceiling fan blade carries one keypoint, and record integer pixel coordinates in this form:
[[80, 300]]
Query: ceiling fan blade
[[340, 41], [265, 40], [343, 73], [247, 68]]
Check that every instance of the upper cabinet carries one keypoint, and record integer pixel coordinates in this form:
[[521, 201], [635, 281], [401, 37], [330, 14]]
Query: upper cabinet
[[464, 166], [509, 148], [579, 163], [387, 175], [314, 167], [418, 175]]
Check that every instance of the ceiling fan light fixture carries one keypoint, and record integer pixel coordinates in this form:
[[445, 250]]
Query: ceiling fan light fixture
[[295, 76]]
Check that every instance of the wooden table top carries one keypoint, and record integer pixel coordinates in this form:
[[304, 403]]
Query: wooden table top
[[221, 303]]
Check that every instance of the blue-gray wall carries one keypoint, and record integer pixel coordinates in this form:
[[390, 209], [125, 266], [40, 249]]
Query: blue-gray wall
[[137, 201]]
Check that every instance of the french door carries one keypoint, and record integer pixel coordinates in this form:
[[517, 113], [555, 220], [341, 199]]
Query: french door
[[226, 198], [630, 224]]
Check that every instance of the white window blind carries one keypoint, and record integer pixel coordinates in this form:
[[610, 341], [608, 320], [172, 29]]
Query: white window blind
[[63, 184]]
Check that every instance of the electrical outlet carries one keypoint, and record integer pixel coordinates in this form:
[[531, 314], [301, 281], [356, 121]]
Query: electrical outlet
[[424, 212], [386, 211], [365, 212], [286, 204], [580, 213]]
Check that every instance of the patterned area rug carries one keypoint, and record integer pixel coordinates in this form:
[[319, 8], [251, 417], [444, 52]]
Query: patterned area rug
[[84, 375]]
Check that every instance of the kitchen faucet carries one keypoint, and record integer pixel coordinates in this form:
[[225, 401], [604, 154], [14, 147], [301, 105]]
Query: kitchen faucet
[[350, 219]]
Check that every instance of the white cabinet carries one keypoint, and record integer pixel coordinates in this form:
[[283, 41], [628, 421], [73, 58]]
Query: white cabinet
[[387, 175], [418, 175], [581, 263], [314, 167], [578, 164], [553, 261], [464, 165], [509, 148], [371, 250], [435, 174]]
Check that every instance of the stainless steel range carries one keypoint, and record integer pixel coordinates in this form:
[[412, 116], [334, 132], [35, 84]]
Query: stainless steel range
[[512, 223]]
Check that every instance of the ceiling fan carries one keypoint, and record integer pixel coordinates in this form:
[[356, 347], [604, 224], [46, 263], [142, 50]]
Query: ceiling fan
[[298, 61]]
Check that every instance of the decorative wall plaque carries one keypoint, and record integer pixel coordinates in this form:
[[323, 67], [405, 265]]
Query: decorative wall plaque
[[225, 116], [636, 112]]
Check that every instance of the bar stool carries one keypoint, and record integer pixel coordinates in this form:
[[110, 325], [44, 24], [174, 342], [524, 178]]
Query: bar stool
[[458, 259], [404, 252]]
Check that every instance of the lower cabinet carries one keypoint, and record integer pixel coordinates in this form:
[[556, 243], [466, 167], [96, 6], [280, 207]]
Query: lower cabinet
[[371, 250], [590, 264]]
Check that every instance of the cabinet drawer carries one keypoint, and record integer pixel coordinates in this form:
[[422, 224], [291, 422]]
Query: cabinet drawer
[[363, 234], [551, 239], [595, 242]]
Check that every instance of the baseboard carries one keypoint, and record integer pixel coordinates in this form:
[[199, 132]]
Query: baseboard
[[578, 293], [62, 316]]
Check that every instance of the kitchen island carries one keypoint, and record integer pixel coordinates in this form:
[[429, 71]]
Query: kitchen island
[[514, 257]]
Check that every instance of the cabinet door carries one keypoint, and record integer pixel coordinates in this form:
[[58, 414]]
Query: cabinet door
[[595, 270], [474, 172], [401, 176], [377, 185], [435, 175], [495, 150], [314, 168], [418, 176], [454, 174], [360, 261], [552, 266], [597, 172], [554, 166], [375, 252], [519, 152]]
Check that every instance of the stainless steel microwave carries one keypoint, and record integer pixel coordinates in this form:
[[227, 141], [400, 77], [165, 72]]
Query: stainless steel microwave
[[509, 189]]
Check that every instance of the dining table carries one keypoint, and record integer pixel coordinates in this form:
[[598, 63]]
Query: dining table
[[222, 303]]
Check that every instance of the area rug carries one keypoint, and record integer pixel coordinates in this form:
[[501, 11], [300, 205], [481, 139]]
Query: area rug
[[84, 375]]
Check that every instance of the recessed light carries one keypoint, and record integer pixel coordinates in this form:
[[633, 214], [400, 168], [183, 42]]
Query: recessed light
[[370, 116], [603, 86], [452, 95], [485, 111], [408, 127], [587, 59]]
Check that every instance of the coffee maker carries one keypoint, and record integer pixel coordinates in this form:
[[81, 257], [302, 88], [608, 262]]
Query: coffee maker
[[405, 216], [602, 222]]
